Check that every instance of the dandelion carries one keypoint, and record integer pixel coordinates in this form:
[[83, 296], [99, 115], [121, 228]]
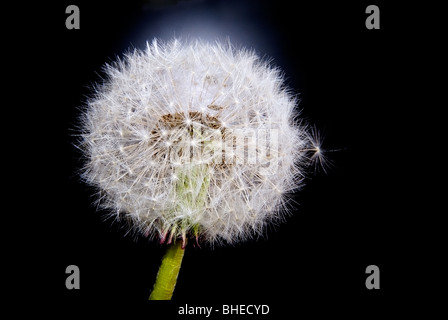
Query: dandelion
[[194, 141]]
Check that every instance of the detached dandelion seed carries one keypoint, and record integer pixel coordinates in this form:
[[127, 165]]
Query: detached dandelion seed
[[194, 141], [318, 155]]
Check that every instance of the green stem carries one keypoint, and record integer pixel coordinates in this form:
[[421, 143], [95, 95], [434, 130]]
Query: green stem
[[168, 272]]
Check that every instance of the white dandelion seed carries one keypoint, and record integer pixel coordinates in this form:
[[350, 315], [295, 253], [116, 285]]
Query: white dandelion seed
[[195, 140]]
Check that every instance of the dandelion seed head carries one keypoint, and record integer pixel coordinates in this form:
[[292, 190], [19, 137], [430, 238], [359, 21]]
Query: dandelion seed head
[[195, 140]]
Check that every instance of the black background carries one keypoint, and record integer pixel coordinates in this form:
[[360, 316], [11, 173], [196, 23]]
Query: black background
[[356, 85]]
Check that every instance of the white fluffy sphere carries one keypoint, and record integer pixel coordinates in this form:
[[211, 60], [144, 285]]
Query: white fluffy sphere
[[194, 140]]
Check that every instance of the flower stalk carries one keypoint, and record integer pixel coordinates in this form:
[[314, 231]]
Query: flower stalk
[[168, 272]]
